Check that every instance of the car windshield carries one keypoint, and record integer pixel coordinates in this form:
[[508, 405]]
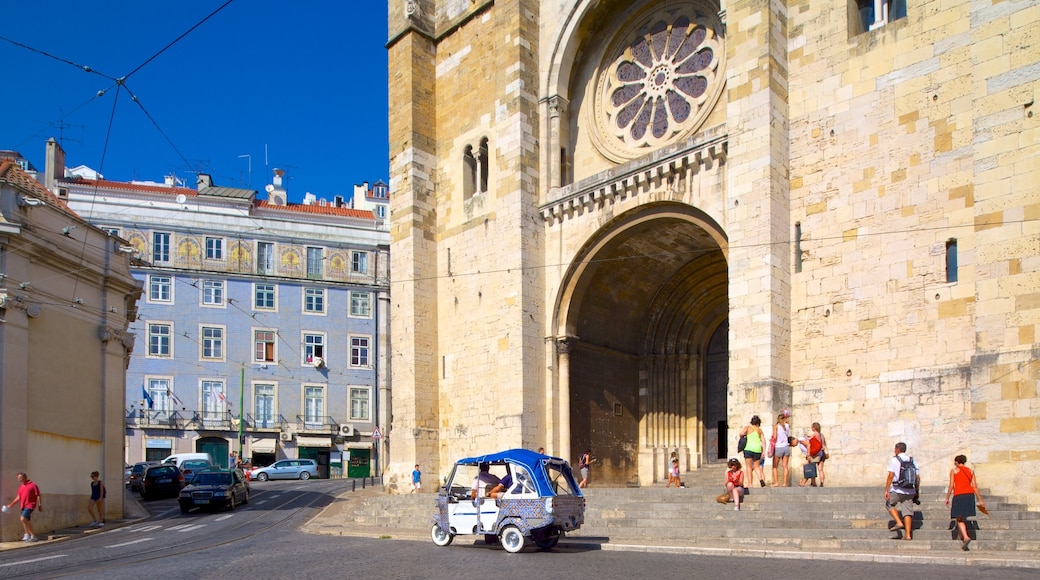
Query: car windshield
[[162, 471], [196, 464], [212, 479]]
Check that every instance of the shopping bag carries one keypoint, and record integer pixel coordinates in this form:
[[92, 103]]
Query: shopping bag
[[809, 471]]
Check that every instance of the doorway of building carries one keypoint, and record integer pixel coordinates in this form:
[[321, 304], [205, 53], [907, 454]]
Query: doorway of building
[[319, 454], [217, 449]]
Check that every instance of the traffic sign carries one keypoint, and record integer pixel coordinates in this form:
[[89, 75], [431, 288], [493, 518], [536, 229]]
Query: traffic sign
[[376, 434]]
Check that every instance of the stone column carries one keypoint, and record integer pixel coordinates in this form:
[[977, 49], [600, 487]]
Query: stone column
[[563, 401]]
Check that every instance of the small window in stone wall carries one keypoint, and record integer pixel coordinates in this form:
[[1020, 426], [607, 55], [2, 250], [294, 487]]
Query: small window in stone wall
[[951, 260], [866, 15], [475, 170]]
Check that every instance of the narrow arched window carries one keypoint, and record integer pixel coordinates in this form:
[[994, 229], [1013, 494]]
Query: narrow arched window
[[469, 173], [951, 260], [482, 159]]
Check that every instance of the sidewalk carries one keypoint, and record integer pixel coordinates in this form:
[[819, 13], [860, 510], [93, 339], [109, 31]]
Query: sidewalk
[[338, 519], [133, 512]]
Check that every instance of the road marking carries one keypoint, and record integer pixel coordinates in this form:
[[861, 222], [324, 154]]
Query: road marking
[[222, 518], [261, 502], [33, 560], [129, 543], [147, 528], [186, 527]]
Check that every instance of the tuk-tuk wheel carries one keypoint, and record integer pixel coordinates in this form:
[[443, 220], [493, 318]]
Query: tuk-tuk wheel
[[512, 539], [440, 537], [547, 540]]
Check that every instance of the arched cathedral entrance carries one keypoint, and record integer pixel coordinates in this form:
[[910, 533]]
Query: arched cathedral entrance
[[645, 314]]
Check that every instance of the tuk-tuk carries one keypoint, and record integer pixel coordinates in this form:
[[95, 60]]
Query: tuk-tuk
[[508, 497]]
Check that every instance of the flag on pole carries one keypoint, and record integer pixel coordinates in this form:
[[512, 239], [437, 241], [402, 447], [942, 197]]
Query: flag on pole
[[221, 397], [173, 397], [147, 397]]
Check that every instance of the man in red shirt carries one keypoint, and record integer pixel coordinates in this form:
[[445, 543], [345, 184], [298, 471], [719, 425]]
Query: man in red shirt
[[29, 499]]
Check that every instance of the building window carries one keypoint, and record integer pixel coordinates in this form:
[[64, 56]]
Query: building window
[[361, 304], [214, 248], [314, 406], [214, 401], [482, 166], [359, 351], [381, 211], [469, 173], [359, 405], [313, 348], [264, 342], [213, 292], [315, 263], [160, 340], [263, 407], [264, 297], [158, 395], [112, 231], [160, 247], [264, 258], [212, 342], [160, 289], [951, 260], [359, 262], [314, 300], [865, 15]]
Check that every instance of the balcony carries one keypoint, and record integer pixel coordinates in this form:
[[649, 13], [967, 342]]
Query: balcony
[[151, 419], [324, 425], [267, 423]]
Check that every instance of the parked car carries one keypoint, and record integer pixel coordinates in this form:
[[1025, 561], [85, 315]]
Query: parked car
[[215, 488], [126, 475], [286, 469], [161, 481], [192, 466], [519, 494], [137, 473]]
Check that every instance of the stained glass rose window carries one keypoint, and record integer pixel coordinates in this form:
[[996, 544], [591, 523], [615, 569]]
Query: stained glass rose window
[[664, 76]]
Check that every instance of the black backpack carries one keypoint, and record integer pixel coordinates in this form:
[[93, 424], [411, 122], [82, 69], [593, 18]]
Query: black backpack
[[908, 476]]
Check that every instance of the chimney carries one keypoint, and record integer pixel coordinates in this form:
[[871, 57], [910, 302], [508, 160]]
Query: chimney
[[276, 194], [170, 180], [54, 169], [204, 180]]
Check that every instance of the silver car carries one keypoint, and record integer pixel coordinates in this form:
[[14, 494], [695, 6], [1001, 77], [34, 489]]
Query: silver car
[[286, 469]]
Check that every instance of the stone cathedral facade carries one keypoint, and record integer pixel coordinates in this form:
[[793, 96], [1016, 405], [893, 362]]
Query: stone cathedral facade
[[629, 225]]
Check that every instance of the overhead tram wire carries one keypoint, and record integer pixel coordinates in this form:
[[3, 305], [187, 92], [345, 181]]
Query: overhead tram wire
[[175, 41], [82, 67]]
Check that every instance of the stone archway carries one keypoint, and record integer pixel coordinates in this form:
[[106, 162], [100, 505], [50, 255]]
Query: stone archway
[[645, 298]]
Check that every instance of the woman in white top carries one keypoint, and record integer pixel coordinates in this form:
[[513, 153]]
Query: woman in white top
[[781, 447]]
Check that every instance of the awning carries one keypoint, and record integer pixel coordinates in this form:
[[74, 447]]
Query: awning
[[302, 441], [262, 445], [356, 445]]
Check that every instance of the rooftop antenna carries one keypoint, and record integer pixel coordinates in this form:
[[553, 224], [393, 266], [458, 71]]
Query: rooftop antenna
[[249, 159]]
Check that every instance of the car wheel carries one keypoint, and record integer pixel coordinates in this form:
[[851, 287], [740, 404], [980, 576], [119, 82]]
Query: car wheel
[[185, 509], [512, 539], [261, 476], [305, 475], [246, 498], [440, 537], [547, 539]]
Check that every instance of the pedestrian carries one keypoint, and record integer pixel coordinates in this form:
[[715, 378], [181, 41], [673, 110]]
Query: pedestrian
[[673, 472], [96, 503], [541, 450], [584, 462], [753, 451], [735, 482], [781, 446], [965, 491], [233, 460], [29, 499], [813, 446], [416, 479], [900, 494]]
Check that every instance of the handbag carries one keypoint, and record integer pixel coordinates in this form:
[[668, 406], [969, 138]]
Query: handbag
[[741, 443], [772, 447], [724, 498], [809, 471]]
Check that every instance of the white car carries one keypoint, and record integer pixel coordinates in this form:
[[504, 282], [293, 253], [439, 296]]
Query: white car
[[286, 469]]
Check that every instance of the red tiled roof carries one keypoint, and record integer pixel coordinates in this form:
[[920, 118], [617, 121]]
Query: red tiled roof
[[126, 186], [12, 173], [318, 209]]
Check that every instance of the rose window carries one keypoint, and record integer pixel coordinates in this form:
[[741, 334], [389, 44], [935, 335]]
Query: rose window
[[662, 81]]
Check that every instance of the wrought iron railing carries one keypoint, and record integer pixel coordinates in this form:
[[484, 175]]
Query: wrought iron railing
[[324, 424]]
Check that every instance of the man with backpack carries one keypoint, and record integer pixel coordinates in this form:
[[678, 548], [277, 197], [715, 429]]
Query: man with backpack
[[901, 488]]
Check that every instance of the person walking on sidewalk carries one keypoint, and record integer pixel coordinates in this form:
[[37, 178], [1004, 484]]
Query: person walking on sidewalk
[[900, 494], [965, 491], [29, 499], [753, 451], [97, 501], [584, 462], [416, 479]]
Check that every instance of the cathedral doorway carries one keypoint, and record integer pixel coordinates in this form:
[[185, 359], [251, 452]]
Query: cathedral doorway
[[645, 310]]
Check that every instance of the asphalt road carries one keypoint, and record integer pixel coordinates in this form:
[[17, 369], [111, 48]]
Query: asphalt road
[[262, 540]]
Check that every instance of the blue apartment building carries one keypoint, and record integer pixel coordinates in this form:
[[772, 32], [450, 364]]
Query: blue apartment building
[[262, 329]]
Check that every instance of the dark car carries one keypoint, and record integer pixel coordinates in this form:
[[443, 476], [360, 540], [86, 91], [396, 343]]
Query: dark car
[[161, 481], [215, 489], [137, 473]]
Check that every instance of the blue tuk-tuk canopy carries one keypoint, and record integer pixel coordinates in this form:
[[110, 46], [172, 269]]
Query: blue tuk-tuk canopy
[[534, 462]]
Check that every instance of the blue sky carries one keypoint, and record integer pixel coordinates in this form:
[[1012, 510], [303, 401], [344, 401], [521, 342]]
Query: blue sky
[[307, 80]]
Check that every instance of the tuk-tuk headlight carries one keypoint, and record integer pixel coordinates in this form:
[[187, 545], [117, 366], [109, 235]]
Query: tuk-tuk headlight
[[549, 505]]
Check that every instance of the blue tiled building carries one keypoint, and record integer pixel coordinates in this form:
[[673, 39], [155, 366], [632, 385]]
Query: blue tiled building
[[263, 325]]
